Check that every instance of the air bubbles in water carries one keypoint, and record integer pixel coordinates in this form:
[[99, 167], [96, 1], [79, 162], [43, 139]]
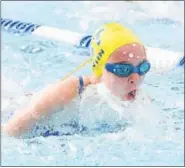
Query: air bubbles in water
[[72, 149], [31, 49]]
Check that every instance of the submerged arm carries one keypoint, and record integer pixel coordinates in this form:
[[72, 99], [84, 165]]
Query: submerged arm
[[52, 97]]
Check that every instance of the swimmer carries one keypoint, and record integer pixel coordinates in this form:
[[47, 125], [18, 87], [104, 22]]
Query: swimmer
[[118, 60]]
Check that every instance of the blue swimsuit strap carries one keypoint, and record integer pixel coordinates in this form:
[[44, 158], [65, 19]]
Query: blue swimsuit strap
[[81, 85]]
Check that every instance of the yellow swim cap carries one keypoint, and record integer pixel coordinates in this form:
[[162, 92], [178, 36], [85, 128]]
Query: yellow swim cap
[[105, 41]]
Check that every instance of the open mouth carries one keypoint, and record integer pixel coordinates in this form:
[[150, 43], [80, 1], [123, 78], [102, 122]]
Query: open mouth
[[131, 95]]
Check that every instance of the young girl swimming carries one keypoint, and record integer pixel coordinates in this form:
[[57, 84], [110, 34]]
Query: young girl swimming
[[119, 65]]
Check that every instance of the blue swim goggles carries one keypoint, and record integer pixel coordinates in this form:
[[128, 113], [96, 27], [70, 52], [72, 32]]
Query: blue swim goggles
[[124, 69]]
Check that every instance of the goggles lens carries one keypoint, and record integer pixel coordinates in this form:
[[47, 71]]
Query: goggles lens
[[124, 70]]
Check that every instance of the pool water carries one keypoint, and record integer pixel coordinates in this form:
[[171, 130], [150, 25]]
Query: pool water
[[30, 63]]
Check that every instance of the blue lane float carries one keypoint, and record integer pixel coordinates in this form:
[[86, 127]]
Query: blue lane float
[[18, 27]]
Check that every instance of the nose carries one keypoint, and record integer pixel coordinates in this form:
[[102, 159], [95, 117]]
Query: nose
[[134, 79]]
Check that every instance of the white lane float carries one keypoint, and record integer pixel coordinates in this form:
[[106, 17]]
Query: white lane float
[[161, 60]]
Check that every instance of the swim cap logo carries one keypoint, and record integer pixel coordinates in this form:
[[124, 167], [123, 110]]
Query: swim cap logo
[[98, 57], [100, 53], [97, 36]]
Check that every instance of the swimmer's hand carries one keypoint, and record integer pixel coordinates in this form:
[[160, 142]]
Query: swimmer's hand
[[43, 105]]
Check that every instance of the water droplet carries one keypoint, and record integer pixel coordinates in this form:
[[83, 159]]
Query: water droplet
[[134, 45], [131, 55]]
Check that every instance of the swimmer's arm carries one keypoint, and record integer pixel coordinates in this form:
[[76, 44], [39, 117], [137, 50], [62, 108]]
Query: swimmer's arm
[[52, 97]]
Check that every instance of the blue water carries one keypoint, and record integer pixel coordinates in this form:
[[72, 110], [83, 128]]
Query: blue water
[[29, 63]]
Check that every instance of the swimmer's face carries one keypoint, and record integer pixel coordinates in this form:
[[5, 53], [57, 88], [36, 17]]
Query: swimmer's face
[[125, 87]]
